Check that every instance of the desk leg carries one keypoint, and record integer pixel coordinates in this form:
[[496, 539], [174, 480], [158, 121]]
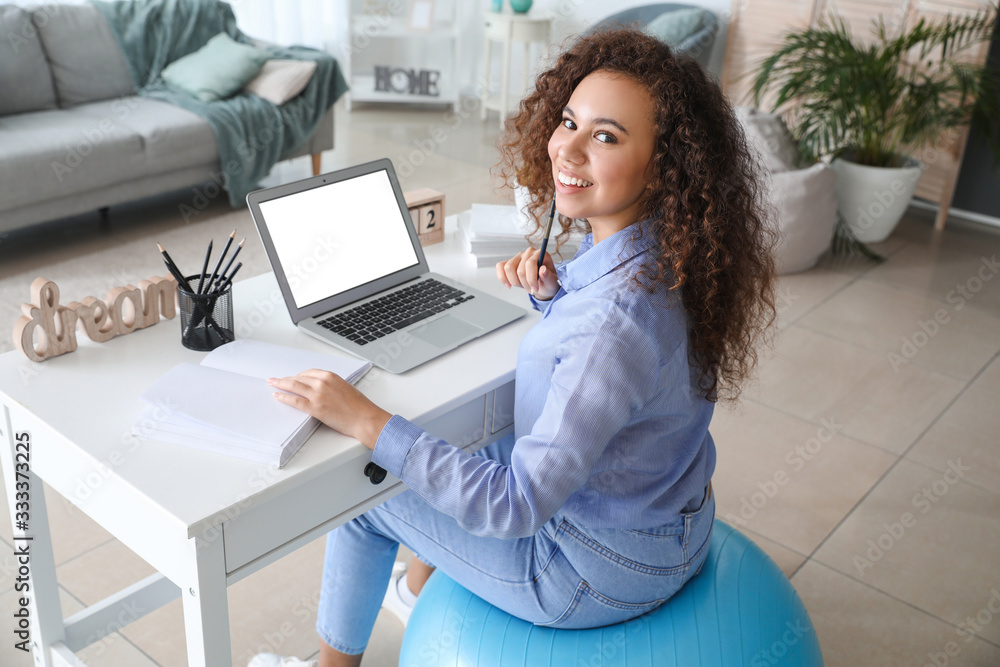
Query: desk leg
[[206, 606], [34, 572]]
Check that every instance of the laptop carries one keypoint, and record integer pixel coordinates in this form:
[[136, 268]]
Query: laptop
[[352, 271]]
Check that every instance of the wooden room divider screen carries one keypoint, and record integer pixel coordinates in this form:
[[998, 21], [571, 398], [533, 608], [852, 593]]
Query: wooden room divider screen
[[757, 27]]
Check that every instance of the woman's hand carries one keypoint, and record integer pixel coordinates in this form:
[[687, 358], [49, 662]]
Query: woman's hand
[[522, 270], [335, 402]]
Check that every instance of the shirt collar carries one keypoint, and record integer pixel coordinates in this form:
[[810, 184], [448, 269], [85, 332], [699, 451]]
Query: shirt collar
[[594, 261]]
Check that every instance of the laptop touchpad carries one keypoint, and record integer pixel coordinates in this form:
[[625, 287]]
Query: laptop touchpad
[[446, 331]]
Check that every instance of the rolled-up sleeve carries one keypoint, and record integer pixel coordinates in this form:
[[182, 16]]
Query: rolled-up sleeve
[[606, 368]]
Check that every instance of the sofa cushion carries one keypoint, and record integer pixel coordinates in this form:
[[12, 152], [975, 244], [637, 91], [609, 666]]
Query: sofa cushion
[[87, 62], [25, 78], [172, 137], [61, 152], [674, 26], [281, 80], [217, 70]]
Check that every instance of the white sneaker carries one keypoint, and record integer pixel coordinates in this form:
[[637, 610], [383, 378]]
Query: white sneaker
[[392, 601], [272, 660]]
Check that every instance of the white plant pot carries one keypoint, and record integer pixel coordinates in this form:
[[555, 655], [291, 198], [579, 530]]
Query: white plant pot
[[873, 199]]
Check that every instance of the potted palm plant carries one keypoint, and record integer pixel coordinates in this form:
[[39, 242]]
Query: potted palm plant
[[870, 105]]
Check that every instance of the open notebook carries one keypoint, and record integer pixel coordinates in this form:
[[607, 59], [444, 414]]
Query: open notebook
[[225, 406]]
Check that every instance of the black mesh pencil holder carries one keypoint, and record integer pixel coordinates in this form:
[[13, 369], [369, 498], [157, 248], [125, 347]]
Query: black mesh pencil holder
[[206, 319]]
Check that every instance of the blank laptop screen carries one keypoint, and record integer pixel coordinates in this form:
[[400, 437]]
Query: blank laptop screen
[[338, 236]]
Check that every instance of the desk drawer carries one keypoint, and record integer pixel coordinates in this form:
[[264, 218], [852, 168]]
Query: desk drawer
[[503, 407], [326, 502], [462, 427]]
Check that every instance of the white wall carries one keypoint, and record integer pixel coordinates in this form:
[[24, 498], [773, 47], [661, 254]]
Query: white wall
[[323, 24], [571, 18], [286, 22]]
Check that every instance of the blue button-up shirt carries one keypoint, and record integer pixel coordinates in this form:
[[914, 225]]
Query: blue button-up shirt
[[611, 431]]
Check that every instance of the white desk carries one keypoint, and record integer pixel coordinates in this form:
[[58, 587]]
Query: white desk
[[206, 521]]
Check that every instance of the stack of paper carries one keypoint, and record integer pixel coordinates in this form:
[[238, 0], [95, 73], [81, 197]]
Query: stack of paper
[[225, 405], [495, 233]]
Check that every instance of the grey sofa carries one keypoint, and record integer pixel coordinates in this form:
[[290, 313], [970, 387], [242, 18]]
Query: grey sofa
[[75, 138]]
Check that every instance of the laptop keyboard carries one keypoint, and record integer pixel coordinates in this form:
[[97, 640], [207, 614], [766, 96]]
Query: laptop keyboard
[[374, 319]]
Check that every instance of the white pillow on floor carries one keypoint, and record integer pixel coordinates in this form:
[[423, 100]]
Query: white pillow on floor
[[768, 134], [805, 204]]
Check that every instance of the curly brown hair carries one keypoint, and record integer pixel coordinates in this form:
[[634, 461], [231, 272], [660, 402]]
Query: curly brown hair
[[705, 196]]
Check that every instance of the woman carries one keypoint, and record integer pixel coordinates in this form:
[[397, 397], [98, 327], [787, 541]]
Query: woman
[[599, 507]]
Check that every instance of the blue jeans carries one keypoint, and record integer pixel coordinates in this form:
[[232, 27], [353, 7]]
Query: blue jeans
[[564, 576]]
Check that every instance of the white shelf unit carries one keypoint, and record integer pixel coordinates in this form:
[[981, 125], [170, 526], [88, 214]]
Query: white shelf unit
[[508, 28], [382, 36]]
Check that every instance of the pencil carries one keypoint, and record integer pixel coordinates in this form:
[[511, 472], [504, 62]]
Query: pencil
[[548, 232], [224, 285], [204, 268], [215, 272], [181, 280], [232, 259]]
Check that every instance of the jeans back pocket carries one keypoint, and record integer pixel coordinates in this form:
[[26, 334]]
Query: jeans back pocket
[[591, 609]]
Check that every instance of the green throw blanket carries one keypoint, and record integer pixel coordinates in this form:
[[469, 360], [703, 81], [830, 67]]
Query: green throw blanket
[[251, 133]]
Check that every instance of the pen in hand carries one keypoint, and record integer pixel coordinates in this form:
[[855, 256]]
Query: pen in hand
[[548, 232]]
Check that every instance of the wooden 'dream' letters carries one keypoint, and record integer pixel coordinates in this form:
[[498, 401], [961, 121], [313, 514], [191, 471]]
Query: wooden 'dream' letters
[[123, 310]]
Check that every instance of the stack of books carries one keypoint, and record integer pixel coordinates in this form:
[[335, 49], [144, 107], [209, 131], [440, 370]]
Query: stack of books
[[493, 233], [224, 405]]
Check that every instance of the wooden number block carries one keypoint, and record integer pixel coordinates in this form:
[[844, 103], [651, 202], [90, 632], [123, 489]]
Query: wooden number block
[[431, 229], [427, 211], [430, 218], [431, 238]]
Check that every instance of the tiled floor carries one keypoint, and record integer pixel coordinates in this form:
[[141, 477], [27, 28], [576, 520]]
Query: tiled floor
[[870, 410]]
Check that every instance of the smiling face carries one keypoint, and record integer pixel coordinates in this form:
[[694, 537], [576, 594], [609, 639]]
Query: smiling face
[[601, 152]]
